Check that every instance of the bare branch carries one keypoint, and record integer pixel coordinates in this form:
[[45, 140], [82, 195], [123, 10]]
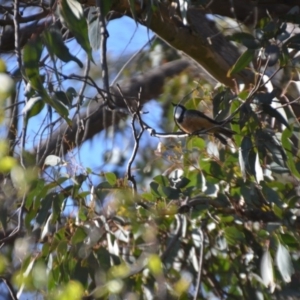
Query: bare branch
[[152, 84]]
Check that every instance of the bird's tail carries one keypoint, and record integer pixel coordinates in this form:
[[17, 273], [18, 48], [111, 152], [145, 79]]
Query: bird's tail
[[222, 133], [226, 131]]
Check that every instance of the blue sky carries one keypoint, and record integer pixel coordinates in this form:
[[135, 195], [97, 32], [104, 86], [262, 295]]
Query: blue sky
[[125, 38]]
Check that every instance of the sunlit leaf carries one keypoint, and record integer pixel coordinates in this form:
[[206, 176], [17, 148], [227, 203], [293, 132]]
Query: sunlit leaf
[[287, 144], [53, 160], [284, 263], [94, 32], [111, 178], [243, 61], [258, 170], [73, 290], [155, 264], [7, 86], [31, 56], [71, 13], [7, 163], [269, 142], [272, 54], [266, 270], [33, 107], [183, 7], [247, 157], [275, 114]]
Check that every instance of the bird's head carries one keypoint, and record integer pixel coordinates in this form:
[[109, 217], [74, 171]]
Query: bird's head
[[178, 111]]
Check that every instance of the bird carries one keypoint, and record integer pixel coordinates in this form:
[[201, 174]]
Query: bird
[[193, 121]]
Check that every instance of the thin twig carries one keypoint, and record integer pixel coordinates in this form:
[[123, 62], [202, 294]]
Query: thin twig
[[17, 29], [131, 59], [19, 227], [198, 284], [137, 136], [79, 103], [174, 238], [103, 59], [9, 286]]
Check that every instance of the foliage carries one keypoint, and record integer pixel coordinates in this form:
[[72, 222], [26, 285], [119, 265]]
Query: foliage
[[194, 219]]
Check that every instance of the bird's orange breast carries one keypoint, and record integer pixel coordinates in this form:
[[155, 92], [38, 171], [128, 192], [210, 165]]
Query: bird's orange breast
[[192, 124]]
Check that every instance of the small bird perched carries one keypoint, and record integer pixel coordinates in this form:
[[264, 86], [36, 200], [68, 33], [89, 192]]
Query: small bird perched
[[193, 122]]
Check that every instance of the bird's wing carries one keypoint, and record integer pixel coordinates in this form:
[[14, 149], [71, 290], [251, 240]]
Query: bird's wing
[[202, 115]]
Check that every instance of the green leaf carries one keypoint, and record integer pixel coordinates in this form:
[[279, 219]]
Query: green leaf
[[94, 25], [80, 274], [78, 236], [63, 98], [162, 180], [221, 104], [111, 178], [235, 126], [247, 157], [266, 140], [284, 263], [71, 13], [275, 114], [196, 142], [243, 61], [45, 206], [154, 188], [169, 192], [233, 235], [289, 240], [31, 57], [247, 39], [56, 46], [226, 219], [182, 183], [287, 145], [33, 107], [60, 108]]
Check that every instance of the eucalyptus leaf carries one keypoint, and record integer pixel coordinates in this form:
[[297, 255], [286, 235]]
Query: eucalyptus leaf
[[243, 61], [94, 25], [284, 263], [33, 107], [53, 160], [71, 13], [56, 46], [266, 270], [111, 178], [247, 39]]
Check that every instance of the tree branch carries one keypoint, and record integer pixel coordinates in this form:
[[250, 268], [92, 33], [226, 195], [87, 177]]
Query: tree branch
[[151, 85]]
